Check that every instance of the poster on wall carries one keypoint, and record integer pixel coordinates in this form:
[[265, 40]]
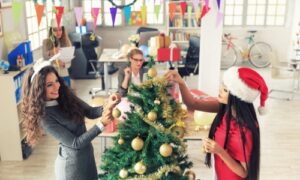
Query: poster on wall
[[5, 3], [1, 28]]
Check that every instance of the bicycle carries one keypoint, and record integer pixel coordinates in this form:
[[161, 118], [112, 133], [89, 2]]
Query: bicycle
[[257, 53]]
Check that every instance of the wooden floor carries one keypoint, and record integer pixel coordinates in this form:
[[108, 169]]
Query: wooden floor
[[280, 142]]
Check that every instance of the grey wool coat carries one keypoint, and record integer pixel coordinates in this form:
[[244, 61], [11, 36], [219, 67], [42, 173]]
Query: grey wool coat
[[75, 160], [123, 92]]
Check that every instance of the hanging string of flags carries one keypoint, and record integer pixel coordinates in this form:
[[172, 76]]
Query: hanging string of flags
[[131, 17]]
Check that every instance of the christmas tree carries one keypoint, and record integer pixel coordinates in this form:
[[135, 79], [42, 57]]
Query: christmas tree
[[149, 142]]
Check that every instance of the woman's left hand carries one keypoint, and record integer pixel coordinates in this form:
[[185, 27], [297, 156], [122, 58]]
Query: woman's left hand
[[211, 146], [113, 100]]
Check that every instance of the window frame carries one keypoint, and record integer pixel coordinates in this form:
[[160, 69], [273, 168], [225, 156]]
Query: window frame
[[245, 15]]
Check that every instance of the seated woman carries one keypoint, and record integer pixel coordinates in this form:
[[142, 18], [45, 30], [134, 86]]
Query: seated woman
[[133, 73]]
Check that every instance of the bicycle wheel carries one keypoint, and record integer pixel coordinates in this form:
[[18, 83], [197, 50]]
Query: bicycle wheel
[[259, 54], [229, 56]]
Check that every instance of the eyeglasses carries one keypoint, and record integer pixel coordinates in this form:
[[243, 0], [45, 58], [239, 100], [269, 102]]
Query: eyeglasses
[[57, 29], [137, 60]]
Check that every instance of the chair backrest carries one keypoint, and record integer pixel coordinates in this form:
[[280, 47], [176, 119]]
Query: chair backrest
[[145, 29], [193, 52]]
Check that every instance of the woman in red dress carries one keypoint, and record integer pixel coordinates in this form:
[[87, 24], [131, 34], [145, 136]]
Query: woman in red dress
[[234, 137]]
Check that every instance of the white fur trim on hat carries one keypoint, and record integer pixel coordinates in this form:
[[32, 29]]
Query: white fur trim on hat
[[237, 87]]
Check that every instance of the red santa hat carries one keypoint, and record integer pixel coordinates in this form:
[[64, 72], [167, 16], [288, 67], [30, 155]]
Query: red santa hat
[[246, 84]]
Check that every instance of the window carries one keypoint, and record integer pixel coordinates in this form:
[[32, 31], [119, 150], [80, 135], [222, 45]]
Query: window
[[233, 14], [87, 10], [105, 18], [255, 12], [36, 34]]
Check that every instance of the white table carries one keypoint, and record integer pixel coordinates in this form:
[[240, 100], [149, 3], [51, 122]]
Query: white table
[[108, 56]]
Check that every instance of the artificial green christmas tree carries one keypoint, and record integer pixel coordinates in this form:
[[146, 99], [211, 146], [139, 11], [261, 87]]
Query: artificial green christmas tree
[[149, 143]]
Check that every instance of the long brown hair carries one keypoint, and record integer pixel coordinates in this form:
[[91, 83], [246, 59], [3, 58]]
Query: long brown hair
[[34, 99], [64, 41]]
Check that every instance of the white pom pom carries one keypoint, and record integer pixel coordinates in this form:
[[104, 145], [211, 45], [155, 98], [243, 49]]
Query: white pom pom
[[262, 110]]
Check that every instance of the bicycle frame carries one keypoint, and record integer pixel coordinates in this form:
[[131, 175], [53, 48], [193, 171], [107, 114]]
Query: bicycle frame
[[244, 52]]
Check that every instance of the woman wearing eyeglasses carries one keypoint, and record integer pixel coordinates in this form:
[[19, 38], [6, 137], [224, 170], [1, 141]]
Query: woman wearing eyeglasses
[[133, 73], [57, 38]]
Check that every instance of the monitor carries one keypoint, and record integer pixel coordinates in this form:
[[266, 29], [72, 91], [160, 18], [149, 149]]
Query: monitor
[[145, 36]]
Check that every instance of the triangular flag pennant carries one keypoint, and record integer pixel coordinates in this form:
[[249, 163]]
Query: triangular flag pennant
[[219, 18], [195, 3], [78, 14], [39, 9], [204, 11], [127, 13], [183, 7], [16, 10], [172, 10], [95, 12], [113, 12], [58, 14], [219, 3], [206, 4], [144, 14], [157, 10]]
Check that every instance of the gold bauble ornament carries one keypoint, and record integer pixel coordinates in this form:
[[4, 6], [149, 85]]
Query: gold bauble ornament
[[190, 174], [121, 141], [165, 150], [123, 173], [116, 113], [137, 144], [178, 131], [140, 168], [152, 72], [156, 101], [152, 116]]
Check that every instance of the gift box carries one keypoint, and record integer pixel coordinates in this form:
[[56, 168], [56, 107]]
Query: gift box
[[168, 54], [160, 41], [111, 127]]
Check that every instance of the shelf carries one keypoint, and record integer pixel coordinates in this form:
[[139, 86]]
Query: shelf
[[184, 28]]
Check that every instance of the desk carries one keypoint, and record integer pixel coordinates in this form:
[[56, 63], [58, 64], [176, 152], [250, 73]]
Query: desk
[[109, 56]]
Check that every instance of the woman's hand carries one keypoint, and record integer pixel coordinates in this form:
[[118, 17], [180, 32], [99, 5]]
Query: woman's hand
[[211, 146], [173, 75], [107, 117], [127, 72], [113, 100]]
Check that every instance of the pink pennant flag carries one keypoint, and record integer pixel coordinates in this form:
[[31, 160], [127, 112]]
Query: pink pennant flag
[[195, 3], [206, 4], [39, 9], [113, 12], [183, 7], [219, 18], [95, 12], [78, 14], [58, 14]]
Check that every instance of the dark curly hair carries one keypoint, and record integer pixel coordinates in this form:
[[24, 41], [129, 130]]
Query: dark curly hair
[[34, 99]]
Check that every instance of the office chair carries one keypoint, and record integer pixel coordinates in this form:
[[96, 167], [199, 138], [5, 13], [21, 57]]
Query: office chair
[[81, 66], [145, 29], [284, 70], [191, 63]]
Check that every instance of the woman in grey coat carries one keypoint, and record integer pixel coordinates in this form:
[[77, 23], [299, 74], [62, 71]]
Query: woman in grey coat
[[49, 104], [133, 73]]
